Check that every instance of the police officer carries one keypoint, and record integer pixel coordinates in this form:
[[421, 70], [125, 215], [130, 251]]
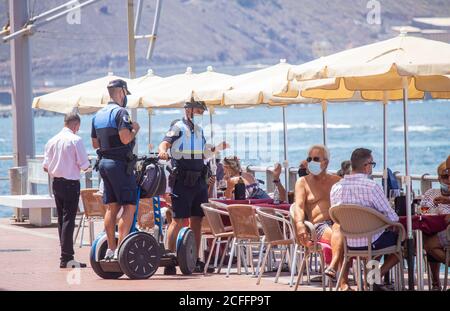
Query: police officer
[[113, 135], [188, 180]]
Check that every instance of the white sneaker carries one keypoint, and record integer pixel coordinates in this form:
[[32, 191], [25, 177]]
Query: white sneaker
[[109, 254], [116, 254]]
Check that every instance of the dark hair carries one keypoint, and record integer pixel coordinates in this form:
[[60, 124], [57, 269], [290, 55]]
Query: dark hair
[[71, 118], [345, 168], [359, 158]]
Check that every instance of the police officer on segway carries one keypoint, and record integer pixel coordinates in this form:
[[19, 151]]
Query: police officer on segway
[[188, 179], [113, 135]]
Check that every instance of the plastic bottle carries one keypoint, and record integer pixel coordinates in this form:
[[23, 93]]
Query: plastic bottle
[[276, 196]]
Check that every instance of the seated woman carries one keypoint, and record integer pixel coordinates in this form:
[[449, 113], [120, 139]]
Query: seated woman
[[233, 171], [438, 199]]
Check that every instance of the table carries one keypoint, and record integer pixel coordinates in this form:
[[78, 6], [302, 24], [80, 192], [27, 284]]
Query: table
[[429, 224], [40, 206]]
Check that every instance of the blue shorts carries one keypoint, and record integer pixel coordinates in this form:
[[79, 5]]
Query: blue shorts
[[118, 186], [387, 239], [186, 201]]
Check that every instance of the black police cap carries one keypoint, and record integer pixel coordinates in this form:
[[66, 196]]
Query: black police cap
[[120, 84], [195, 104]]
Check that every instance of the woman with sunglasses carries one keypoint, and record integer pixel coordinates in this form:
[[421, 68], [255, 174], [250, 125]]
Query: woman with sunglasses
[[233, 172], [437, 199]]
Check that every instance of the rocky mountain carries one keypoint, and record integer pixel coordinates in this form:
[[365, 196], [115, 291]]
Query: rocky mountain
[[228, 32]]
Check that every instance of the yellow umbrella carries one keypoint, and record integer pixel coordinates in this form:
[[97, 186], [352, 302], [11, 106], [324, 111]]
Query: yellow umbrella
[[87, 97], [403, 67]]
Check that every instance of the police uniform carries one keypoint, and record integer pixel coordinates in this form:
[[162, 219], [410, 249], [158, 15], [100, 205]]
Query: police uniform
[[190, 188], [119, 185]]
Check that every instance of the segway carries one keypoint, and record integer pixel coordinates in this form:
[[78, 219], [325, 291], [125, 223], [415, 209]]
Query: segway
[[140, 254]]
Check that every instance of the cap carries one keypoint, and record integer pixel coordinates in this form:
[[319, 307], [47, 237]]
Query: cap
[[195, 104], [120, 84]]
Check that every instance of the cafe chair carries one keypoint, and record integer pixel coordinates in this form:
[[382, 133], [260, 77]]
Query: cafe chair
[[361, 222], [272, 225], [93, 209], [218, 231]]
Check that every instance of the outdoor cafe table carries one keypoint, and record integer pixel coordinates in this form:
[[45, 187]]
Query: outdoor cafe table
[[428, 224]]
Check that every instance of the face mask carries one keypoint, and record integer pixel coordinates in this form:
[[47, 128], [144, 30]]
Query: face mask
[[125, 101], [314, 168], [445, 190], [197, 119]]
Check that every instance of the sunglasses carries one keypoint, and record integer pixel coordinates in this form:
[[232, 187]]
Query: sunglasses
[[446, 176], [315, 159], [372, 163]]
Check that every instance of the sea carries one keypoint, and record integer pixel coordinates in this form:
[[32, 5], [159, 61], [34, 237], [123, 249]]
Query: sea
[[256, 136]]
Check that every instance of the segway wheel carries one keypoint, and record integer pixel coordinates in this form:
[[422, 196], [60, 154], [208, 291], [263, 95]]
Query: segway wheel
[[96, 265], [186, 251], [139, 256]]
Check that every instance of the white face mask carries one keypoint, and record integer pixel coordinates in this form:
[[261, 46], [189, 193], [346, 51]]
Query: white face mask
[[314, 168], [197, 119]]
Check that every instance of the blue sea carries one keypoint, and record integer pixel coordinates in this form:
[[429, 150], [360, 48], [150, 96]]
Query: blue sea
[[256, 134]]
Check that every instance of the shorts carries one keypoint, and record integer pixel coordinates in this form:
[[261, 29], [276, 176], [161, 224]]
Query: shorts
[[387, 239], [320, 228], [442, 236], [186, 201], [118, 186]]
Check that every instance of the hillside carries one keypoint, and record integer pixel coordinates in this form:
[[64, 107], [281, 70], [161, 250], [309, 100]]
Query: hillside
[[209, 31]]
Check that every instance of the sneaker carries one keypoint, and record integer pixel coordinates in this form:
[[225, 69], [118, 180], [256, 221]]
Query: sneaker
[[72, 264], [381, 288], [170, 270], [109, 255], [116, 254], [200, 267]]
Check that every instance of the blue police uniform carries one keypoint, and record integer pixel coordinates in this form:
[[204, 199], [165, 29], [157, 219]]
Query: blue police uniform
[[119, 187], [187, 148]]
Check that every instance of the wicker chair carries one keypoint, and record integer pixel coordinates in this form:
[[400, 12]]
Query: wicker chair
[[93, 210]]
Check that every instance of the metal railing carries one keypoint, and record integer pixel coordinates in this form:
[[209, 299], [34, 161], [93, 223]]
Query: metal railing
[[425, 181]]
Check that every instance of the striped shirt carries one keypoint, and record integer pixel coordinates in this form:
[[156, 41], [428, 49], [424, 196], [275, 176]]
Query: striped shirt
[[428, 201], [360, 190]]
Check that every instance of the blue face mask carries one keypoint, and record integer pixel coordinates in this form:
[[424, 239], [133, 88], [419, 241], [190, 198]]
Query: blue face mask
[[314, 168], [445, 190]]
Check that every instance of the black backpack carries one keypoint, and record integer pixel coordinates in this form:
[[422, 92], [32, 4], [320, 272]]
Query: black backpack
[[152, 179]]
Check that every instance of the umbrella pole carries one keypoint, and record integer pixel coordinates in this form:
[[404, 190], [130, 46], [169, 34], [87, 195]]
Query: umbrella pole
[[410, 241], [150, 146], [324, 122], [385, 143], [285, 162], [213, 160]]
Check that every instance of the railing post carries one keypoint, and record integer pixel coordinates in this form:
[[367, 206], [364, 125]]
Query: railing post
[[292, 180], [269, 180]]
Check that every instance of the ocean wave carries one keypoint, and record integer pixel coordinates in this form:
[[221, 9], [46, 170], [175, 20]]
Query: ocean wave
[[420, 128]]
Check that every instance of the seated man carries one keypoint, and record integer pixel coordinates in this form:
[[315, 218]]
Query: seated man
[[312, 202], [358, 188], [434, 199]]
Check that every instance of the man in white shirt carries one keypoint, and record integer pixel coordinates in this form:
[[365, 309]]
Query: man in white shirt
[[358, 188], [64, 158]]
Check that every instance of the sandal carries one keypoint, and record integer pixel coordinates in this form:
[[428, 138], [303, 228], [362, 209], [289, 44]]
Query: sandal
[[331, 273]]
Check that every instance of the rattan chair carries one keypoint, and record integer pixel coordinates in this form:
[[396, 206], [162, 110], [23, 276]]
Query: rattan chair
[[245, 234], [218, 231], [93, 210], [447, 259], [361, 222], [278, 232]]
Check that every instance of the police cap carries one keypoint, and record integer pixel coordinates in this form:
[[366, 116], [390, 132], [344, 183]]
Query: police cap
[[120, 84], [195, 104]]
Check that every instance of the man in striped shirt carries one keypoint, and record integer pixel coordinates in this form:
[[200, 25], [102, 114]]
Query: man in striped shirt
[[358, 188]]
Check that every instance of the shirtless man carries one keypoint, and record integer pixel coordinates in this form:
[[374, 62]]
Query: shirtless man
[[312, 203]]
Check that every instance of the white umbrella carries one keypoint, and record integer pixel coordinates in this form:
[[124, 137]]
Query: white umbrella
[[86, 97]]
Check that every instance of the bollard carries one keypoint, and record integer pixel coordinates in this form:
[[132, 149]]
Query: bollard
[[18, 185]]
